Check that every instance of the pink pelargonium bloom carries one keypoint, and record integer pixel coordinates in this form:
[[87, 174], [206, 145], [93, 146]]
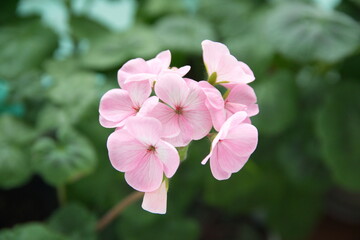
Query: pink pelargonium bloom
[[183, 114], [156, 201], [240, 98], [117, 105], [139, 70], [228, 69], [232, 147], [138, 151]]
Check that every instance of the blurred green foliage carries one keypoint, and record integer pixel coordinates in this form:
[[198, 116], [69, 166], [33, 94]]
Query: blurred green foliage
[[58, 57]]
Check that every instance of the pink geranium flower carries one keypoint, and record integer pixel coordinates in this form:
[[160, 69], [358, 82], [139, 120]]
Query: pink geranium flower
[[156, 201], [223, 66], [138, 151], [117, 105], [139, 70], [183, 114], [240, 98], [232, 146]]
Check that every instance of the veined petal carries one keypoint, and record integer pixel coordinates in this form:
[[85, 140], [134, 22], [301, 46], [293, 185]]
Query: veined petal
[[125, 152], [199, 121], [212, 54], [156, 201], [228, 159], [169, 156], [168, 118], [147, 130], [165, 58], [147, 176], [138, 91], [231, 122], [148, 106], [243, 94], [215, 167], [130, 68], [242, 139], [116, 105], [107, 123], [172, 89]]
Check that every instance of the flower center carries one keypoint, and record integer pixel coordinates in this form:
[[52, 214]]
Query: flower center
[[151, 148], [178, 110]]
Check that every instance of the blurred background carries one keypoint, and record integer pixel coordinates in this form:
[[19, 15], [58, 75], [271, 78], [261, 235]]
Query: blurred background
[[58, 57]]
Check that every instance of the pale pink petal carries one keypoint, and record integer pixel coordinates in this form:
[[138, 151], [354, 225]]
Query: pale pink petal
[[183, 70], [171, 89], [252, 110], [242, 139], [125, 152], [212, 54], [234, 120], [247, 70], [165, 58], [168, 118], [169, 156], [199, 122], [216, 170], [181, 140], [130, 68], [229, 160], [156, 201], [116, 105], [147, 176], [148, 106], [243, 94], [140, 77], [232, 108], [107, 123], [214, 97], [146, 129], [138, 92]]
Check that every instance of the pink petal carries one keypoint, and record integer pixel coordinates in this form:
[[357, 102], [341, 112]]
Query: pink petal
[[212, 54], [130, 68], [145, 129], [228, 159], [138, 91], [116, 105], [216, 170], [156, 201], [165, 58], [125, 152], [171, 89], [169, 156], [234, 120], [168, 118], [243, 94], [183, 70], [148, 106], [147, 176], [242, 139], [107, 123], [199, 123]]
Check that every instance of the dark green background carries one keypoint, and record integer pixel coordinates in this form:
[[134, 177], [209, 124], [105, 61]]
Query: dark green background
[[57, 59]]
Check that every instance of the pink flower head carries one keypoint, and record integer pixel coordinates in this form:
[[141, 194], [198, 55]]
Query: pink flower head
[[139, 70], [138, 151], [156, 201], [183, 114], [232, 147], [117, 105], [228, 69]]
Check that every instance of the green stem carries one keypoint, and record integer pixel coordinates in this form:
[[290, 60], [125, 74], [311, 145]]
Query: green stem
[[61, 194], [117, 209]]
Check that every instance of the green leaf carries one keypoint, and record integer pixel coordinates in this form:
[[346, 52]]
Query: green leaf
[[277, 103], [339, 132], [180, 33], [15, 167], [27, 45], [304, 33], [30, 231], [237, 194], [110, 50], [63, 157], [161, 227], [75, 222]]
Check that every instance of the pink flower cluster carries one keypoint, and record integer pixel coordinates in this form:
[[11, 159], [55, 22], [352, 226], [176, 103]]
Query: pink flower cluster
[[157, 110]]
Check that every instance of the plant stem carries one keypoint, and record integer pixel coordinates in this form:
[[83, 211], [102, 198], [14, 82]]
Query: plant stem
[[61, 194], [117, 209]]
